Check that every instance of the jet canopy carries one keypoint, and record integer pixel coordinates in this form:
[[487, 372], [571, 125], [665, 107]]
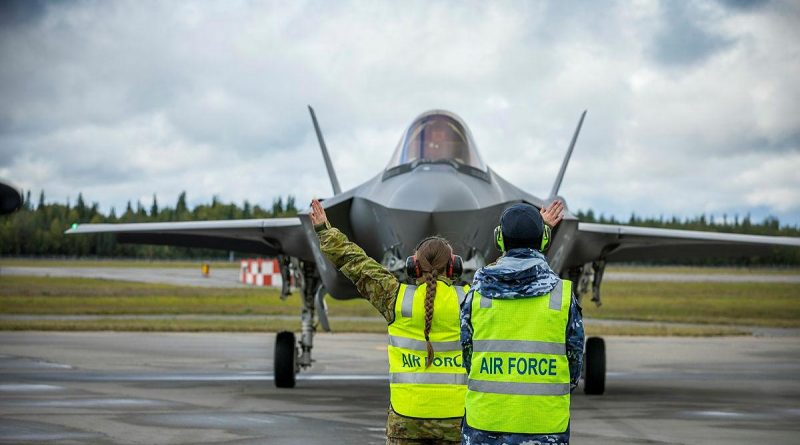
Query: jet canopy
[[437, 136]]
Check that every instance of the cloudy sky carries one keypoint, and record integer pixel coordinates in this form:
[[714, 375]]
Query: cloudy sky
[[693, 106]]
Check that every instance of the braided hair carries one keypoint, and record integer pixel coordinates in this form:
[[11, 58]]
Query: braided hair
[[433, 255]]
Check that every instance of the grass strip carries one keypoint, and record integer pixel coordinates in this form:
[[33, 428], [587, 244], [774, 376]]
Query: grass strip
[[89, 296], [664, 331], [182, 325], [756, 304], [704, 270]]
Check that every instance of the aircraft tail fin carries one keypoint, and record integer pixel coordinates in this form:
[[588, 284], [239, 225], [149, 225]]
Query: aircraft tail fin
[[328, 164], [561, 172]]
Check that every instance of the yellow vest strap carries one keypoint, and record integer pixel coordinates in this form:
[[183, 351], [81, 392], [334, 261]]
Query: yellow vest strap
[[519, 388], [531, 347], [408, 301], [419, 345], [429, 378]]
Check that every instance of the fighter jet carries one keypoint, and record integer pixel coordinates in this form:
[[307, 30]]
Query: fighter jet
[[435, 183]]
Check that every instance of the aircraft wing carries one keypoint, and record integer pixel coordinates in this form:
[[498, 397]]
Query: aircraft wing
[[617, 243], [267, 237]]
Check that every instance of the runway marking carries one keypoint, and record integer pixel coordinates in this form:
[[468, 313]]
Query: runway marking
[[10, 387], [257, 420], [244, 377], [732, 415], [344, 377], [94, 403]]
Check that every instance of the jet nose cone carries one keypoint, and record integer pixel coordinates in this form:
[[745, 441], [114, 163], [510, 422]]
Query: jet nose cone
[[433, 188]]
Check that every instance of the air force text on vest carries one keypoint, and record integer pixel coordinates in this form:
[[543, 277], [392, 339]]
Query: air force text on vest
[[415, 361], [518, 365]]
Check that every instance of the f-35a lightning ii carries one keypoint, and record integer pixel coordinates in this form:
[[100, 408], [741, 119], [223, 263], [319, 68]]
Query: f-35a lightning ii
[[435, 183]]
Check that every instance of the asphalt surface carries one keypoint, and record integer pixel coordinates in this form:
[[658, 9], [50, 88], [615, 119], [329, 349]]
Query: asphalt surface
[[219, 277], [159, 388], [229, 277]]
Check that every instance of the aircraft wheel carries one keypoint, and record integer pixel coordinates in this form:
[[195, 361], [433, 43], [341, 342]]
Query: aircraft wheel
[[595, 366], [285, 357]]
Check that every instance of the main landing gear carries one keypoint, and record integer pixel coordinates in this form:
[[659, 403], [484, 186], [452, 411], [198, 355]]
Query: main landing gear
[[292, 356], [594, 359], [594, 366]]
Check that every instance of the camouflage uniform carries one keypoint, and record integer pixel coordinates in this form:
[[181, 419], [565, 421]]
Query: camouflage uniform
[[520, 272], [379, 287]]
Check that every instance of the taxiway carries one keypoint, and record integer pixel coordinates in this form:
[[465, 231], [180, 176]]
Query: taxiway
[[147, 388]]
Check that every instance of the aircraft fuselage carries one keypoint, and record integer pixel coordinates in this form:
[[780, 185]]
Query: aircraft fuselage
[[388, 215]]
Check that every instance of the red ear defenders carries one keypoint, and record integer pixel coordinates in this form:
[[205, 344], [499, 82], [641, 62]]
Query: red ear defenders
[[455, 266]]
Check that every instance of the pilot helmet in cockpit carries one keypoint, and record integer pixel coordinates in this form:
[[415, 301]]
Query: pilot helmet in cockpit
[[439, 138], [436, 136]]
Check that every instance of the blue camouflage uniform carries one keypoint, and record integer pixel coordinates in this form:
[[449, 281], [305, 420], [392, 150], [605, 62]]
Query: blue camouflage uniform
[[520, 273]]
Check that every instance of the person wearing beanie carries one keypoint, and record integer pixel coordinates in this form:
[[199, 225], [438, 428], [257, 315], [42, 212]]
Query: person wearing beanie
[[522, 338]]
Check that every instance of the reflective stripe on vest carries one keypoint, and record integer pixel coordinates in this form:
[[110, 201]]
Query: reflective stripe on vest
[[519, 365], [420, 345], [429, 378], [530, 347], [525, 389], [438, 391], [408, 301], [461, 294]]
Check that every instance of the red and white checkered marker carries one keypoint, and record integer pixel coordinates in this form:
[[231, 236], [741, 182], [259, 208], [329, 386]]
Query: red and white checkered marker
[[260, 272]]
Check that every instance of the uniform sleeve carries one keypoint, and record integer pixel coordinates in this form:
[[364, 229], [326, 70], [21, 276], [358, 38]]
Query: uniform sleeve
[[372, 280], [575, 343], [466, 330]]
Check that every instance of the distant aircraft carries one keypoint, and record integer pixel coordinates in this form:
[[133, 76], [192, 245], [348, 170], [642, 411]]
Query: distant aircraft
[[435, 183], [10, 199]]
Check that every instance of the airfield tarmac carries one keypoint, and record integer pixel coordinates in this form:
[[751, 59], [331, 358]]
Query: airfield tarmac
[[229, 277], [167, 388]]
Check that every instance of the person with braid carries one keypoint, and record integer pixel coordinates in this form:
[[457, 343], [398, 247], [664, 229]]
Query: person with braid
[[425, 362]]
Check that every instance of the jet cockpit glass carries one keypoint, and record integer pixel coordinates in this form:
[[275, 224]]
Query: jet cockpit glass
[[437, 137]]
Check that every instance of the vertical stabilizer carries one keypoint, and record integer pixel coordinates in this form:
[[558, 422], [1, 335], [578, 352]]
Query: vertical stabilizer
[[561, 172], [331, 173]]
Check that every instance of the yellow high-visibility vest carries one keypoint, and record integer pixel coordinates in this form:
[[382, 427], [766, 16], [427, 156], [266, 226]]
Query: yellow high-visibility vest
[[438, 391], [519, 373]]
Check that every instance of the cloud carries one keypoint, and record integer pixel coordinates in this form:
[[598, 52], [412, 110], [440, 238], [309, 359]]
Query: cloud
[[692, 105], [686, 35], [744, 4]]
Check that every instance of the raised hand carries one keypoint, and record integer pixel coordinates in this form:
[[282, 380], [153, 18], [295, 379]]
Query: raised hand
[[553, 214], [317, 213]]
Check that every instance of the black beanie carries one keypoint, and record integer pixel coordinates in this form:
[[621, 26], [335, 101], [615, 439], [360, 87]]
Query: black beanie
[[522, 226]]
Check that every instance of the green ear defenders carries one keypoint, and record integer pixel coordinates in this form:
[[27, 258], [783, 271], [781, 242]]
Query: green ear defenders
[[501, 246]]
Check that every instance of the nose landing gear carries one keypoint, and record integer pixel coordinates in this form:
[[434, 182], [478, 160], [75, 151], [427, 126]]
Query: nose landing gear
[[292, 356]]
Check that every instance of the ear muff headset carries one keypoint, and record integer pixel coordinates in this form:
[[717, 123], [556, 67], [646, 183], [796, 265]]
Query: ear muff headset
[[501, 246], [455, 265]]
